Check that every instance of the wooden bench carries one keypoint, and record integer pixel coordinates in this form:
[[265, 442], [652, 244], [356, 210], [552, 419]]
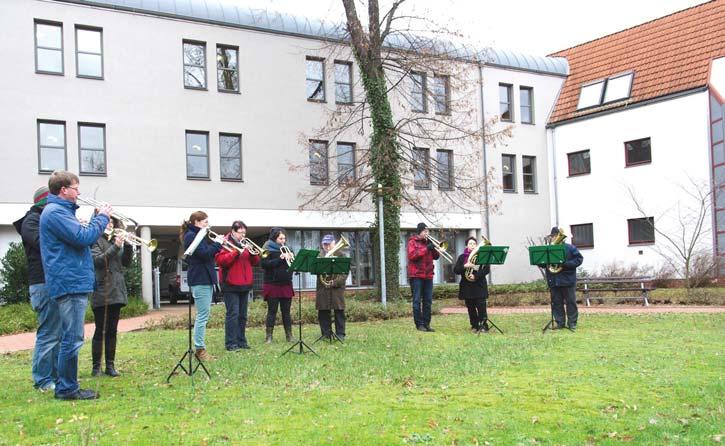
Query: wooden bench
[[616, 285]]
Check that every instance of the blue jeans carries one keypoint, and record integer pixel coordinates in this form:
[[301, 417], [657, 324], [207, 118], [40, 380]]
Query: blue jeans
[[47, 338], [72, 309], [202, 302], [422, 290], [235, 323]]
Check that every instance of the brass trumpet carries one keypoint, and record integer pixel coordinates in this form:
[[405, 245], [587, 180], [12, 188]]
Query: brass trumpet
[[125, 220], [131, 238], [327, 280], [290, 255], [441, 247]]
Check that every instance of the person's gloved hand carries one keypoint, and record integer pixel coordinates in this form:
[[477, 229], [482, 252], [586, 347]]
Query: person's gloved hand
[[431, 246]]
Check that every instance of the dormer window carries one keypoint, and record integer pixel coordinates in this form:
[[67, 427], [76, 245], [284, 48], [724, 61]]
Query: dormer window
[[604, 91]]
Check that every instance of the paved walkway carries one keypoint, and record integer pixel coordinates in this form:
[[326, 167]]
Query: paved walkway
[[26, 341]]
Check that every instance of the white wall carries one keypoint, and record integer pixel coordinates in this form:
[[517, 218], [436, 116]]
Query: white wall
[[678, 129]]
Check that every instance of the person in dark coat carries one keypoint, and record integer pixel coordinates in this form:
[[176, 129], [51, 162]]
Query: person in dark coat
[[421, 254], [562, 286], [474, 293], [47, 337], [277, 287], [110, 258], [331, 296], [201, 275]]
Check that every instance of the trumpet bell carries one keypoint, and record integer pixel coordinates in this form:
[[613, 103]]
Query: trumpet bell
[[152, 245]]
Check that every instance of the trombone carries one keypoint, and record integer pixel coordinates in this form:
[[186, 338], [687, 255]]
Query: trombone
[[290, 255], [253, 248], [132, 239], [226, 244], [441, 247], [125, 220]]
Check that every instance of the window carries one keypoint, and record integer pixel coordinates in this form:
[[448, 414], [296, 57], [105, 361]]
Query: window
[[526, 98], [92, 148], [51, 146], [579, 163], [315, 79], [48, 47], [197, 155], [230, 155], [637, 152], [318, 163], [529, 173], [508, 169], [618, 88], [227, 68], [445, 169], [194, 65], [591, 95], [421, 168], [504, 100], [89, 52], [583, 235], [441, 94], [343, 82], [345, 162], [418, 99], [641, 230]]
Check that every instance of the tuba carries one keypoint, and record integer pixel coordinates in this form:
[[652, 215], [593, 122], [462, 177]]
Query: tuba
[[132, 239], [470, 273], [327, 280], [558, 240]]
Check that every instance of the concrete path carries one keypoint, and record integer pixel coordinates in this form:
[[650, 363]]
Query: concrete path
[[26, 341]]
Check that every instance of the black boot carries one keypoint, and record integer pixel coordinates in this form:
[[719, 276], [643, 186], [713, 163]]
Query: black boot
[[96, 350], [288, 333], [268, 339], [110, 357]]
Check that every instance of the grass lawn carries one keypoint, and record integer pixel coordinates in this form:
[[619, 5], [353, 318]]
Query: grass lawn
[[645, 379]]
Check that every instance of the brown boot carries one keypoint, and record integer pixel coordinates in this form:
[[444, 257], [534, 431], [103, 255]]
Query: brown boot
[[268, 339], [202, 355]]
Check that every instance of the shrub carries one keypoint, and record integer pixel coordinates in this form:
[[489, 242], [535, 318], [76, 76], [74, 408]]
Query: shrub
[[132, 275], [14, 275]]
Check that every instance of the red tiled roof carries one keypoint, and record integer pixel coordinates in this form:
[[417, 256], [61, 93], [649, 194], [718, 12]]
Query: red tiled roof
[[668, 55]]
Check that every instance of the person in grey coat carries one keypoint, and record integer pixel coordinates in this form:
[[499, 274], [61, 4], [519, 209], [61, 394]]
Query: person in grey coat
[[331, 296], [110, 258]]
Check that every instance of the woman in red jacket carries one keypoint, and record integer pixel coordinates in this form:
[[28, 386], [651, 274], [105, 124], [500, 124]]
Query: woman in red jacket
[[237, 280]]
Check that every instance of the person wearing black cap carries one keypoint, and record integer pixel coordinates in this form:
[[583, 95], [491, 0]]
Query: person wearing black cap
[[421, 254], [47, 337], [329, 296], [562, 286]]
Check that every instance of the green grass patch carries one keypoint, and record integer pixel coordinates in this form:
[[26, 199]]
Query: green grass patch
[[641, 379]]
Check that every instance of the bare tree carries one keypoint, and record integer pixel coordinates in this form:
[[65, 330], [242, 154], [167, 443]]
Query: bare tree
[[684, 228], [406, 68]]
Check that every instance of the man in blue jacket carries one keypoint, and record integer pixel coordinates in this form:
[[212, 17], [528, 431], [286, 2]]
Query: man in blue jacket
[[563, 286], [69, 273]]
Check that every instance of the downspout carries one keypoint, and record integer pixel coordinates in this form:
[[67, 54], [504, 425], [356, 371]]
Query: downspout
[[555, 186], [486, 216]]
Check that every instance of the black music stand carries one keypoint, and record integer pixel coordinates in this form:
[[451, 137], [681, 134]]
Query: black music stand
[[302, 263], [491, 255], [331, 266], [543, 256], [190, 353]]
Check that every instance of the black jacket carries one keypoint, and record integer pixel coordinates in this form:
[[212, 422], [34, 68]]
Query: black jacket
[[471, 290], [275, 269], [109, 263], [29, 229]]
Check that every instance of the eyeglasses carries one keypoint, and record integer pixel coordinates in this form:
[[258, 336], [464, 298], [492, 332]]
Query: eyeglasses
[[75, 188]]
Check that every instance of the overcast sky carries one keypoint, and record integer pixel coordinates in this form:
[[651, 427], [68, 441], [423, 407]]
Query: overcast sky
[[530, 26]]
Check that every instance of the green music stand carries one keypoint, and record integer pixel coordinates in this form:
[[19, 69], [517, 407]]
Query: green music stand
[[491, 255], [302, 263], [543, 256], [331, 266]]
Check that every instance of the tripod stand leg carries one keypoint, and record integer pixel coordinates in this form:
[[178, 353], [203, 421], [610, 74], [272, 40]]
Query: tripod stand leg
[[179, 365], [490, 322], [300, 342]]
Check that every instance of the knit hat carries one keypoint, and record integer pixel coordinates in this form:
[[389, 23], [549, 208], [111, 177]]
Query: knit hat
[[554, 231], [40, 197], [422, 227], [327, 239]]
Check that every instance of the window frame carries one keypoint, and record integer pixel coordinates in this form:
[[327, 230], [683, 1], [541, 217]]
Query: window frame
[[606, 87], [239, 82], [321, 60], [532, 174], [241, 164], [451, 177], [631, 221], [568, 160], [627, 163], [423, 91], [40, 146], [184, 65], [81, 149], [530, 105], [446, 94], [575, 241], [208, 154], [510, 103], [37, 22], [425, 153], [352, 145], [349, 84], [512, 157], [326, 145], [103, 66], [601, 93]]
